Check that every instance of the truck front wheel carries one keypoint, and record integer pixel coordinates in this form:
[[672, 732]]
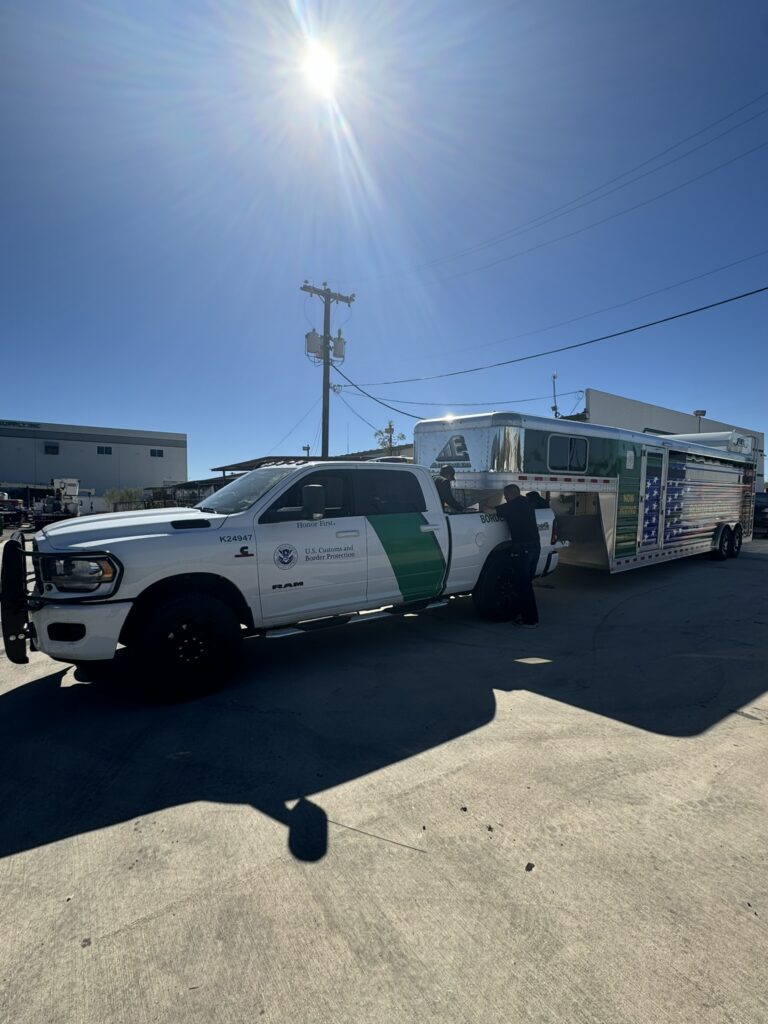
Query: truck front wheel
[[495, 596], [188, 645]]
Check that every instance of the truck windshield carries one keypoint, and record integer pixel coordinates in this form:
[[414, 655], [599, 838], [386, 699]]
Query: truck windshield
[[243, 492]]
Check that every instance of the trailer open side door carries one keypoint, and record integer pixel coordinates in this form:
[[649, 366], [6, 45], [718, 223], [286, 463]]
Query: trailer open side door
[[653, 479]]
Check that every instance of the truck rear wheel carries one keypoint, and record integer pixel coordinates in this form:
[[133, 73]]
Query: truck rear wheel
[[187, 646], [495, 596]]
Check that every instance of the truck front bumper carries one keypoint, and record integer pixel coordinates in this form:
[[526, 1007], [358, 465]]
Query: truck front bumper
[[75, 630], [79, 632]]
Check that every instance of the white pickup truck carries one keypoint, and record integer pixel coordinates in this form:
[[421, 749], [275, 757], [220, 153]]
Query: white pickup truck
[[283, 548]]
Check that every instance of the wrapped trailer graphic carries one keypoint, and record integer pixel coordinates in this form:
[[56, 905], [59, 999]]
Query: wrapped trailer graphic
[[622, 499]]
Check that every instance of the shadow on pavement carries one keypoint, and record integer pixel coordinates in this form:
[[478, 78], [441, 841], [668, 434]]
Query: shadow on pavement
[[80, 757], [312, 712], [672, 650]]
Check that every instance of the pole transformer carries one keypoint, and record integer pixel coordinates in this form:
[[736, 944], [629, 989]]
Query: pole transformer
[[328, 297]]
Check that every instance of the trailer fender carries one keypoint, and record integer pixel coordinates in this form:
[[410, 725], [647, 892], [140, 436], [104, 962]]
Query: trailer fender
[[721, 542], [737, 539]]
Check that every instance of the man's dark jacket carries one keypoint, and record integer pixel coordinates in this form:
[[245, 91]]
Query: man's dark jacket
[[446, 495], [520, 517]]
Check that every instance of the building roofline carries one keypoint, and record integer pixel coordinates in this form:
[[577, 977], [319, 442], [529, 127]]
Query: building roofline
[[271, 460], [92, 435]]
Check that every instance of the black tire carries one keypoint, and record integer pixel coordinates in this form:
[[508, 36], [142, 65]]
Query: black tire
[[737, 539], [722, 551], [186, 646], [495, 596]]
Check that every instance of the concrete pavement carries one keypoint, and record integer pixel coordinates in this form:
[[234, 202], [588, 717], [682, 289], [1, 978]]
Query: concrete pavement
[[430, 819]]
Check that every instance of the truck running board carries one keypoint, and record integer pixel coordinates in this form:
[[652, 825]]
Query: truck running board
[[311, 625]]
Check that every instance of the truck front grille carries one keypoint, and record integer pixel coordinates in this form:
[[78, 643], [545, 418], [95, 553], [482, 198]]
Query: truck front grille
[[36, 566]]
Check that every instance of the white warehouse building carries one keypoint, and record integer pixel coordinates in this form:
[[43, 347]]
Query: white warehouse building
[[101, 458]]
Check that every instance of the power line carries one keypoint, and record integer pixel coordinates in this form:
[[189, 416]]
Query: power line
[[573, 410], [356, 413], [577, 204], [386, 405], [316, 438], [609, 217], [616, 305], [624, 174], [483, 243], [295, 427], [566, 348], [487, 404]]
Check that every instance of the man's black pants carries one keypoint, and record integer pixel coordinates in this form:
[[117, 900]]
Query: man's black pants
[[525, 561]]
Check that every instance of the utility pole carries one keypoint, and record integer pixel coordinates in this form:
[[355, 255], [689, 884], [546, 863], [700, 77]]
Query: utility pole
[[328, 297]]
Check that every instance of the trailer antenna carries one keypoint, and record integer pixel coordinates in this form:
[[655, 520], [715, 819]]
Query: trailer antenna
[[554, 396]]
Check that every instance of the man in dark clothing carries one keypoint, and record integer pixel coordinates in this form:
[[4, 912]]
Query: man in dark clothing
[[443, 485], [520, 516], [536, 499]]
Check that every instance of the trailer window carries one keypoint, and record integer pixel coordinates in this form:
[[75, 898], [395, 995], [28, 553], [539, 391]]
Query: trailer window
[[568, 454], [380, 493]]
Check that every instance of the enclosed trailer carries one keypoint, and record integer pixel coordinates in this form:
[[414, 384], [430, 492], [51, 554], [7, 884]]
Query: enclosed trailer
[[622, 499]]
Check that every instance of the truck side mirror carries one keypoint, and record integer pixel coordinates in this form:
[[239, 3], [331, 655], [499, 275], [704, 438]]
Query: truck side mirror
[[313, 501]]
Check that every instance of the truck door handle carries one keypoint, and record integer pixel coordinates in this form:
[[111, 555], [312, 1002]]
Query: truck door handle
[[429, 528], [348, 533]]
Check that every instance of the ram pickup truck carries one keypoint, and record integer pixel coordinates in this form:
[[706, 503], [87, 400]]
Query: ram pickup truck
[[282, 548]]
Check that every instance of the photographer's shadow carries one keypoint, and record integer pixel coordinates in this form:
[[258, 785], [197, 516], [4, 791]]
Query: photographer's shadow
[[80, 757]]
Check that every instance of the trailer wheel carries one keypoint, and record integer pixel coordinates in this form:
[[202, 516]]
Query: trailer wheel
[[723, 549], [187, 646], [737, 539], [495, 596]]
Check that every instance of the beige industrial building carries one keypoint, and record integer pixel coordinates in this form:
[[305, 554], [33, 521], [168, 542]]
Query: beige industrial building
[[616, 411], [101, 458]]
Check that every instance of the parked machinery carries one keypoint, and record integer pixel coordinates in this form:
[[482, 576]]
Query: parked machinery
[[61, 503]]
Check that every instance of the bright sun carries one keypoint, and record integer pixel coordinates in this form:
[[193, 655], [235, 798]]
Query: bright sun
[[320, 69]]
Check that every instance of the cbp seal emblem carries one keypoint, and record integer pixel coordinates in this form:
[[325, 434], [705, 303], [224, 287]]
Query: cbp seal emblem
[[286, 556]]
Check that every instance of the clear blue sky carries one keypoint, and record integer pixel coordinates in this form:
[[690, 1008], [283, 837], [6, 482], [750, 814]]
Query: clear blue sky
[[169, 179]]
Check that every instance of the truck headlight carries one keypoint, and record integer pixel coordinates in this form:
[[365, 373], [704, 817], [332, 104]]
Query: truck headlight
[[80, 574]]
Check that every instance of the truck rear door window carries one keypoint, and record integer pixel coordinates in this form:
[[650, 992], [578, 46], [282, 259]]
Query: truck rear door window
[[381, 492], [568, 454]]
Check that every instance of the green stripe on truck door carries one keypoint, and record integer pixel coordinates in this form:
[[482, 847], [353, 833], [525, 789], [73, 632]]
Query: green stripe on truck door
[[415, 557]]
